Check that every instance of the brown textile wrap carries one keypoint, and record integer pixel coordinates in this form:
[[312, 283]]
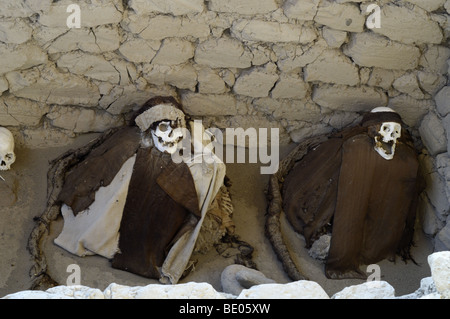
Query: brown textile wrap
[[161, 205], [368, 203], [98, 168]]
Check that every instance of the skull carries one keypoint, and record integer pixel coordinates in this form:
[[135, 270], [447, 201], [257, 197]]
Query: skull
[[166, 135], [386, 139], [7, 156]]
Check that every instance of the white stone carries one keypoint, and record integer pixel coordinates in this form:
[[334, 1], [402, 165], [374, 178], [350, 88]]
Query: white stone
[[190, 290], [266, 31], [408, 25], [208, 104], [82, 120], [429, 5], [24, 8], [409, 84], [372, 50], [255, 83], [431, 82], [183, 76], [332, 67], [53, 87], [442, 99], [334, 38], [174, 51], [161, 27], [223, 52], [434, 59], [440, 271], [93, 66], [243, 7], [290, 86], [300, 9], [95, 40], [139, 50], [210, 82], [15, 111], [381, 77], [15, 31], [76, 292], [433, 134], [302, 289], [346, 17], [367, 290], [92, 13], [175, 7], [442, 239], [294, 58], [346, 98], [22, 56], [411, 110]]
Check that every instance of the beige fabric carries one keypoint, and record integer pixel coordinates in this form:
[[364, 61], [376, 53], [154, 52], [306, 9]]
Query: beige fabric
[[158, 113]]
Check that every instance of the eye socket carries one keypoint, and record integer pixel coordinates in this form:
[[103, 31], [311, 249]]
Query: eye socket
[[9, 157], [163, 127]]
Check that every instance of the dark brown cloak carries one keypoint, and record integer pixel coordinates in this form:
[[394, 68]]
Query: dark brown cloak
[[161, 203], [368, 203]]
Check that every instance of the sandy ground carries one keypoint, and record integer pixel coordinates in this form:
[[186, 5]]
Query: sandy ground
[[249, 201]]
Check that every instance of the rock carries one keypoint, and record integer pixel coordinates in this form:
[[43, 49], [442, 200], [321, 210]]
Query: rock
[[409, 84], [346, 17], [266, 31], [334, 38], [319, 249], [139, 50], [174, 7], [346, 98], [15, 111], [208, 104], [332, 67], [428, 5], [442, 239], [190, 290], [292, 109], [3, 85], [235, 278], [442, 99], [300, 9], [249, 7], [302, 289], [408, 25], [223, 52], [430, 82], [381, 77], [367, 290], [174, 51], [256, 82], [372, 50], [92, 13], [15, 31], [427, 287], [183, 76], [17, 57], [411, 110], [290, 87], [440, 271], [434, 59], [433, 134], [209, 81]]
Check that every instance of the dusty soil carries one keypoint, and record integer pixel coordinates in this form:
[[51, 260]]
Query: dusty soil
[[247, 191]]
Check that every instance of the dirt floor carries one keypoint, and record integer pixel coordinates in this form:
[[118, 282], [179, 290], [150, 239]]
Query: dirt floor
[[247, 191]]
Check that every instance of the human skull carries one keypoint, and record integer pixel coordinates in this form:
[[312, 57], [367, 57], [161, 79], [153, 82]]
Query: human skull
[[7, 156], [166, 136], [386, 139]]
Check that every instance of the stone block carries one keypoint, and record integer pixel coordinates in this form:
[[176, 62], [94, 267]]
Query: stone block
[[210, 82], [15, 111], [350, 99], [223, 53], [300, 9], [428, 5], [346, 17], [174, 7], [302, 289], [408, 25], [290, 87], [368, 290], [292, 109], [208, 104], [93, 66], [440, 271], [15, 31], [139, 50], [332, 67], [95, 40], [266, 31], [174, 51], [411, 110], [23, 8], [23, 56], [442, 99], [433, 134], [293, 58], [161, 27], [182, 76], [372, 50], [3, 85], [249, 7], [431, 82], [256, 82], [334, 38], [92, 13], [434, 59], [381, 77], [409, 84]]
